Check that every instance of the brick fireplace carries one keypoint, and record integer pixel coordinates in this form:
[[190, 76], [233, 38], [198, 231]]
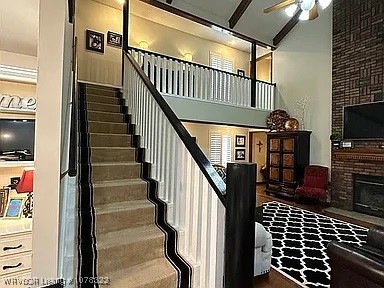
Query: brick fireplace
[[358, 77]]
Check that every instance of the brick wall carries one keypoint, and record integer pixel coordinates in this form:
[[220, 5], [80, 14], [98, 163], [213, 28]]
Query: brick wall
[[358, 77]]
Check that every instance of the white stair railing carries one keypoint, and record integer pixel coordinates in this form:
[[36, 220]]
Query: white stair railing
[[186, 79], [194, 194]]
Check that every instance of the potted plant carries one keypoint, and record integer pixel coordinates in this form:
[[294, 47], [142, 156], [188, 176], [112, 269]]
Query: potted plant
[[336, 139]]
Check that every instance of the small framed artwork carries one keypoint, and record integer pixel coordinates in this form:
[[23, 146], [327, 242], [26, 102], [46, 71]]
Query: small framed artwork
[[14, 208], [240, 154], [114, 39], [4, 193], [241, 72], [94, 41], [14, 181], [240, 140]]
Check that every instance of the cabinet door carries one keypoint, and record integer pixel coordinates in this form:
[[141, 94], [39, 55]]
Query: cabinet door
[[288, 175], [289, 160], [274, 174], [275, 159], [289, 145], [274, 145]]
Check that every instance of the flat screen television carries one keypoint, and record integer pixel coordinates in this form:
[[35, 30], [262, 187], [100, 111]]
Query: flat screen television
[[17, 139], [365, 121]]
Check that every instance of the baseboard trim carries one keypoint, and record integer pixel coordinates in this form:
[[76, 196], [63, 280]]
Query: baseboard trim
[[87, 252]]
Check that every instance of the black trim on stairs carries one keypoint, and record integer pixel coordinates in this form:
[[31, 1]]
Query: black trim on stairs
[[182, 267], [87, 252]]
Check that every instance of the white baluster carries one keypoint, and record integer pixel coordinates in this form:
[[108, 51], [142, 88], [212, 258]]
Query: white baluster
[[181, 79], [164, 71]]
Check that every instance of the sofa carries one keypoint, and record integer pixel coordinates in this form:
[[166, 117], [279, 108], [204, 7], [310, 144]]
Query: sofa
[[263, 250], [358, 267]]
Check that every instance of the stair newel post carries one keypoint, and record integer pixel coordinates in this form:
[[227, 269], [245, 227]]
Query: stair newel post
[[240, 225]]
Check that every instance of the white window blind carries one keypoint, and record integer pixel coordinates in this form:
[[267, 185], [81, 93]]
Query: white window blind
[[220, 148], [228, 65], [216, 61]]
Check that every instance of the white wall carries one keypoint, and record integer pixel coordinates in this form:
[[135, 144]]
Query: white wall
[[195, 110], [175, 43], [303, 67], [18, 60], [96, 67], [45, 238]]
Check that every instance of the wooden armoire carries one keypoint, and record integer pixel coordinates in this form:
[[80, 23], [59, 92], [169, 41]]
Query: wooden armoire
[[287, 156]]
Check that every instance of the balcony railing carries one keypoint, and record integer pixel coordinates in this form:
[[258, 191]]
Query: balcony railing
[[180, 78]]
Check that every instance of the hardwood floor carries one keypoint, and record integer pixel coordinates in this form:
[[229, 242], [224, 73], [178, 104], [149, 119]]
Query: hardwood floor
[[274, 279]]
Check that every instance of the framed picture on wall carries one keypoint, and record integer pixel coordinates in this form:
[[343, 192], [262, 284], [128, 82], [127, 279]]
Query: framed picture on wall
[[240, 154], [4, 193], [240, 141], [14, 207], [114, 39], [94, 41], [241, 72]]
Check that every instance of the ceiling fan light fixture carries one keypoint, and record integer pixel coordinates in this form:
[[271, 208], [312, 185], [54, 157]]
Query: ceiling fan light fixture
[[307, 5], [304, 15], [324, 3], [291, 10]]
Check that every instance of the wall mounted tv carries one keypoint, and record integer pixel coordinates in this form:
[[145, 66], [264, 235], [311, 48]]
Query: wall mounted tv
[[365, 121], [17, 139]]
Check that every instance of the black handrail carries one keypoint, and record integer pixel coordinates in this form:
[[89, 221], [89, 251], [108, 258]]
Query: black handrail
[[206, 168], [195, 64]]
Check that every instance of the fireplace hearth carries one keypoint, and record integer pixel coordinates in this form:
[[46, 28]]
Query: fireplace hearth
[[368, 195]]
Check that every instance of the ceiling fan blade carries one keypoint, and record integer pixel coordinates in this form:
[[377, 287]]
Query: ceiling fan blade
[[313, 13], [280, 5]]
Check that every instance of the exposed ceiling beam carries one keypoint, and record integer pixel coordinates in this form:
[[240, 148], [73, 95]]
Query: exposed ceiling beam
[[238, 12], [287, 28], [169, 1]]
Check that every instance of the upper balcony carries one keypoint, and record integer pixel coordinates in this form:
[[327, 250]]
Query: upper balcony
[[204, 72], [201, 93]]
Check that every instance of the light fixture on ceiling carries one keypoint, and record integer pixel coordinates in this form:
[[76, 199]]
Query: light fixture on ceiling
[[306, 9], [188, 57], [307, 5], [291, 10], [143, 45]]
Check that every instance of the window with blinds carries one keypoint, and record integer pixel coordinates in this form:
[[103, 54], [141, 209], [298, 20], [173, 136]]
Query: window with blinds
[[218, 62], [220, 148], [220, 83]]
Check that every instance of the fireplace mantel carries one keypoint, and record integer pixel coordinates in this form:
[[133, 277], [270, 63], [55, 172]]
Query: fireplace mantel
[[362, 155]]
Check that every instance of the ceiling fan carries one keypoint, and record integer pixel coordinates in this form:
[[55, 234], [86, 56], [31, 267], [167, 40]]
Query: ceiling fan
[[308, 8]]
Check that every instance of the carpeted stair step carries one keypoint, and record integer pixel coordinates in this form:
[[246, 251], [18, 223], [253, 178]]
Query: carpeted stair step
[[115, 171], [103, 99], [109, 140], [101, 91], [124, 215], [106, 192], [112, 154], [94, 106], [107, 127], [126, 248], [157, 273], [105, 116]]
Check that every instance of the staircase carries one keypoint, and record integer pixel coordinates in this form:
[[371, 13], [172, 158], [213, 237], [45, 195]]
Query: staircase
[[130, 247]]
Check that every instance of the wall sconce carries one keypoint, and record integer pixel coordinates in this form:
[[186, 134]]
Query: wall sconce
[[143, 45], [188, 57]]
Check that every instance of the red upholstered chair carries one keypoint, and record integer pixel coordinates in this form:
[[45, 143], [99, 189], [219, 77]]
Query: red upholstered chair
[[315, 183]]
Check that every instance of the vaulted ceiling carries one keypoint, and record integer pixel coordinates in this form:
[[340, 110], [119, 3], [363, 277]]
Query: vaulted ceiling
[[253, 22]]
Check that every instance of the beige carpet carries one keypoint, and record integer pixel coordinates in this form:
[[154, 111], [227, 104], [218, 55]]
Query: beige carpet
[[130, 247]]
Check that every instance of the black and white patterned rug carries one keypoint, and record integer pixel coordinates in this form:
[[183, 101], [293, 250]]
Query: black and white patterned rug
[[300, 239]]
